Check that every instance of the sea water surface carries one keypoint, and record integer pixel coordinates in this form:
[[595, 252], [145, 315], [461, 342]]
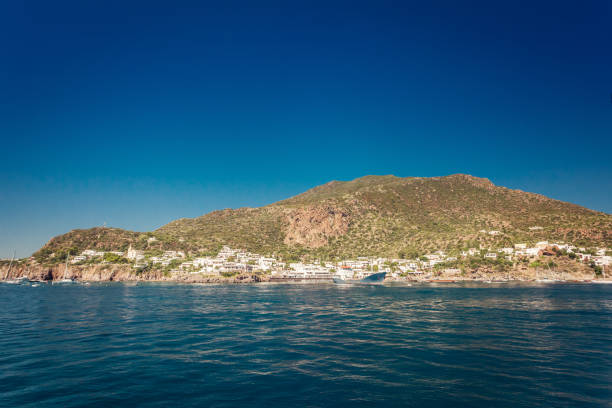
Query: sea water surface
[[291, 345]]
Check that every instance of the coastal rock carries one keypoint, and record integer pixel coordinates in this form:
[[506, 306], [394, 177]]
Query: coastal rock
[[116, 273]]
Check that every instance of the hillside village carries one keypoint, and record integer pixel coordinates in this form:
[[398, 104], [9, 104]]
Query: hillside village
[[229, 262], [401, 224]]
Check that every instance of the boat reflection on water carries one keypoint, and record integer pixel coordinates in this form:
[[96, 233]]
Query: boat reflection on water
[[374, 279]]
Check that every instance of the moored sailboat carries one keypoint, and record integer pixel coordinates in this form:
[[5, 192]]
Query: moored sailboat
[[64, 278]]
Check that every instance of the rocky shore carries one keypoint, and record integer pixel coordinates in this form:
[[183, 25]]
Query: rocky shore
[[124, 273], [518, 275], [114, 273]]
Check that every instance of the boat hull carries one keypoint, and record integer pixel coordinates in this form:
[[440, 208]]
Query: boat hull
[[18, 281], [374, 279]]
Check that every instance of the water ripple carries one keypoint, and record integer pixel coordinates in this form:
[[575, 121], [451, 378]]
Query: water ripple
[[305, 345]]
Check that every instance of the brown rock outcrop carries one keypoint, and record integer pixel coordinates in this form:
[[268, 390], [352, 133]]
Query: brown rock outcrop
[[92, 273], [312, 226]]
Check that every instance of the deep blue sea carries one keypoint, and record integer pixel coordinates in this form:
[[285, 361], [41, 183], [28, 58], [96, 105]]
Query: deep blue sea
[[292, 345]]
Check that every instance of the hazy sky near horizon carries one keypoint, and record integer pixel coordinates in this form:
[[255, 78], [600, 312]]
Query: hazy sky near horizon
[[135, 113]]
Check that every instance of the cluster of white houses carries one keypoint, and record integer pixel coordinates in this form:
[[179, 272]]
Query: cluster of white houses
[[543, 248], [363, 266], [230, 260], [92, 253]]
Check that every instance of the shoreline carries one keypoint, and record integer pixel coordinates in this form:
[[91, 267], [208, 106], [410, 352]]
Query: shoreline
[[124, 273], [315, 282]]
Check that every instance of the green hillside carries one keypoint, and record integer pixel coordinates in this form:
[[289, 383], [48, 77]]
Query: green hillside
[[370, 216]]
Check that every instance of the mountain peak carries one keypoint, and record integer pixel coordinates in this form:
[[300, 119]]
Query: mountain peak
[[477, 181], [374, 215]]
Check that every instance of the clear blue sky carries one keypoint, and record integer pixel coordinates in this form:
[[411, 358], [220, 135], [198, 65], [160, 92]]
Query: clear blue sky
[[137, 113]]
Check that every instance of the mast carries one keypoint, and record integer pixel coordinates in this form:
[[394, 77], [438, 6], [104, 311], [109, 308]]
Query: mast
[[10, 265], [66, 268]]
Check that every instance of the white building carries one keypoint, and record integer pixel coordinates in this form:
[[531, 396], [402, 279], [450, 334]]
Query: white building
[[173, 254], [134, 254], [235, 267], [92, 253], [186, 266], [473, 252], [310, 271], [226, 252], [78, 258], [345, 273], [156, 259], [265, 264]]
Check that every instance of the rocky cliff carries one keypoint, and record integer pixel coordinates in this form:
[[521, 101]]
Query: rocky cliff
[[113, 273]]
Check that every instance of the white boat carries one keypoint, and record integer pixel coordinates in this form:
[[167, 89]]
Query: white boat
[[13, 281], [65, 280], [601, 281]]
